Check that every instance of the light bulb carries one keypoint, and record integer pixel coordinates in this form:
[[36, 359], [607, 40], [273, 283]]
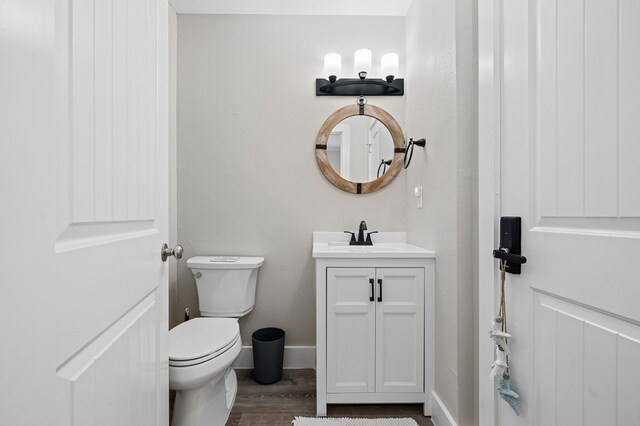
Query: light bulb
[[362, 62], [390, 66], [332, 66]]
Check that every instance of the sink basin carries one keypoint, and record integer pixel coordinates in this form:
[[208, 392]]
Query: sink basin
[[385, 245]]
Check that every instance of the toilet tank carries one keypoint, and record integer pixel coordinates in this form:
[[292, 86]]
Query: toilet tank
[[226, 284]]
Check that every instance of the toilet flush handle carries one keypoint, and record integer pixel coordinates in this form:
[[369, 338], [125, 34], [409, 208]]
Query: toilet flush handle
[[166, 252]]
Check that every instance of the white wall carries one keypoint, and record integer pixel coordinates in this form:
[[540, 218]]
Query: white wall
[[441, 106], [248, 183]]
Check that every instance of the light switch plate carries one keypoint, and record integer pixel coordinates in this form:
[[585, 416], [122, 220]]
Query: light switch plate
[[418, 194]]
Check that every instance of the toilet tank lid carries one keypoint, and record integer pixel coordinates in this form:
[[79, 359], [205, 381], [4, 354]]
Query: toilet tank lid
[[225, 262]]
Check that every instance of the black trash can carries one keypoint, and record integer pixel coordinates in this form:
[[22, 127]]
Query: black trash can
[[268, 353]]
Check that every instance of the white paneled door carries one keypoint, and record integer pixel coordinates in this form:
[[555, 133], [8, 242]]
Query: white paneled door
[[83, 166], [400, 330], [560, 147], [351, 330]]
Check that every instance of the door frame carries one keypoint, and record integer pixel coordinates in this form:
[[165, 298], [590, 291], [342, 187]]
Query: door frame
[[489, 195]]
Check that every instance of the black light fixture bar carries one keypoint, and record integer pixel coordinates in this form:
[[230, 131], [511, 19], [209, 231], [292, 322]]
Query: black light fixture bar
[[359, 87]]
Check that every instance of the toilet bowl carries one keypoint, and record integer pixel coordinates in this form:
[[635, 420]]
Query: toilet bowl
[[202, 351]]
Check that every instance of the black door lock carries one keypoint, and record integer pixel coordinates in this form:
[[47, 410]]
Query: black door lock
[[510, 244]]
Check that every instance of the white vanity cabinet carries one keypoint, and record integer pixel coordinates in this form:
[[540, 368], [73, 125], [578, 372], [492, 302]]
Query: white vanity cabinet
[[375, 330], [374, 312]]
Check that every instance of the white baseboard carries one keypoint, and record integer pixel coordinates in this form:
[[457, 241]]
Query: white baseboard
[[294, 357], [440, 416]]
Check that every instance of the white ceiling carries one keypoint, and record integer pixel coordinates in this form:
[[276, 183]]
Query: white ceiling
[[294, 7]]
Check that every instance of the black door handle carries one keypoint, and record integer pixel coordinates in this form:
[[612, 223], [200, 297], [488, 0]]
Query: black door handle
[[380, 294], [511, 258], [372, 290]]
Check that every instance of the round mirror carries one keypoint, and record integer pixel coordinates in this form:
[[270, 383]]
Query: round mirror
[[360, 151]]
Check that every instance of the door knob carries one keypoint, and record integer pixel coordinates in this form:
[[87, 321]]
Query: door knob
[[167, 251]]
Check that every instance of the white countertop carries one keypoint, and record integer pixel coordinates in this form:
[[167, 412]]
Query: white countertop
[[385, 245]]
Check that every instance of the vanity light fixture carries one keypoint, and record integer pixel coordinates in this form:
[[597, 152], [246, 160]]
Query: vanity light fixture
[[361, 86]]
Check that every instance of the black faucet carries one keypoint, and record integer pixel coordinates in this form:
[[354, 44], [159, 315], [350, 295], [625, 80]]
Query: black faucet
[[361, 229], [361, 241]]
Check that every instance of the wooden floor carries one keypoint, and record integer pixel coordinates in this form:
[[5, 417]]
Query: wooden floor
[[295, 395]]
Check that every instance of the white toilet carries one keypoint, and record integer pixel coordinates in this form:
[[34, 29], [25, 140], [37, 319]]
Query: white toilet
[[202, 351]]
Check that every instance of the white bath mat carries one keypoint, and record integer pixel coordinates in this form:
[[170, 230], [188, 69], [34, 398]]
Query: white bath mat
[[324, 421]]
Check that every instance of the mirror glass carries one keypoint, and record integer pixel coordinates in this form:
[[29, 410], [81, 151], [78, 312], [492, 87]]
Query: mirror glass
[[360, 148]]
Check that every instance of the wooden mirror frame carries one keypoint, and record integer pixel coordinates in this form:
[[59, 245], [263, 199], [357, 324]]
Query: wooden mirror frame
[[398, 147]]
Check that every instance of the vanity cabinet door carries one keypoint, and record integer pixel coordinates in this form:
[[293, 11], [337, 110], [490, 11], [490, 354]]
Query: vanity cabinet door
[[350, 330], [400, 330]]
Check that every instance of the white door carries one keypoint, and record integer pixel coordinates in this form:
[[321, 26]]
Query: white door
[[83, 168], [399, 329], [351, 328], [560, 102]]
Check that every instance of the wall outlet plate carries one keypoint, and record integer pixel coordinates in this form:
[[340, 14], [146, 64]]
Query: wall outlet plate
[[418, 194]]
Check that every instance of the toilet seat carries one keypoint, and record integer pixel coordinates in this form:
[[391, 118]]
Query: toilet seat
[[200, 340], [196, 361]]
